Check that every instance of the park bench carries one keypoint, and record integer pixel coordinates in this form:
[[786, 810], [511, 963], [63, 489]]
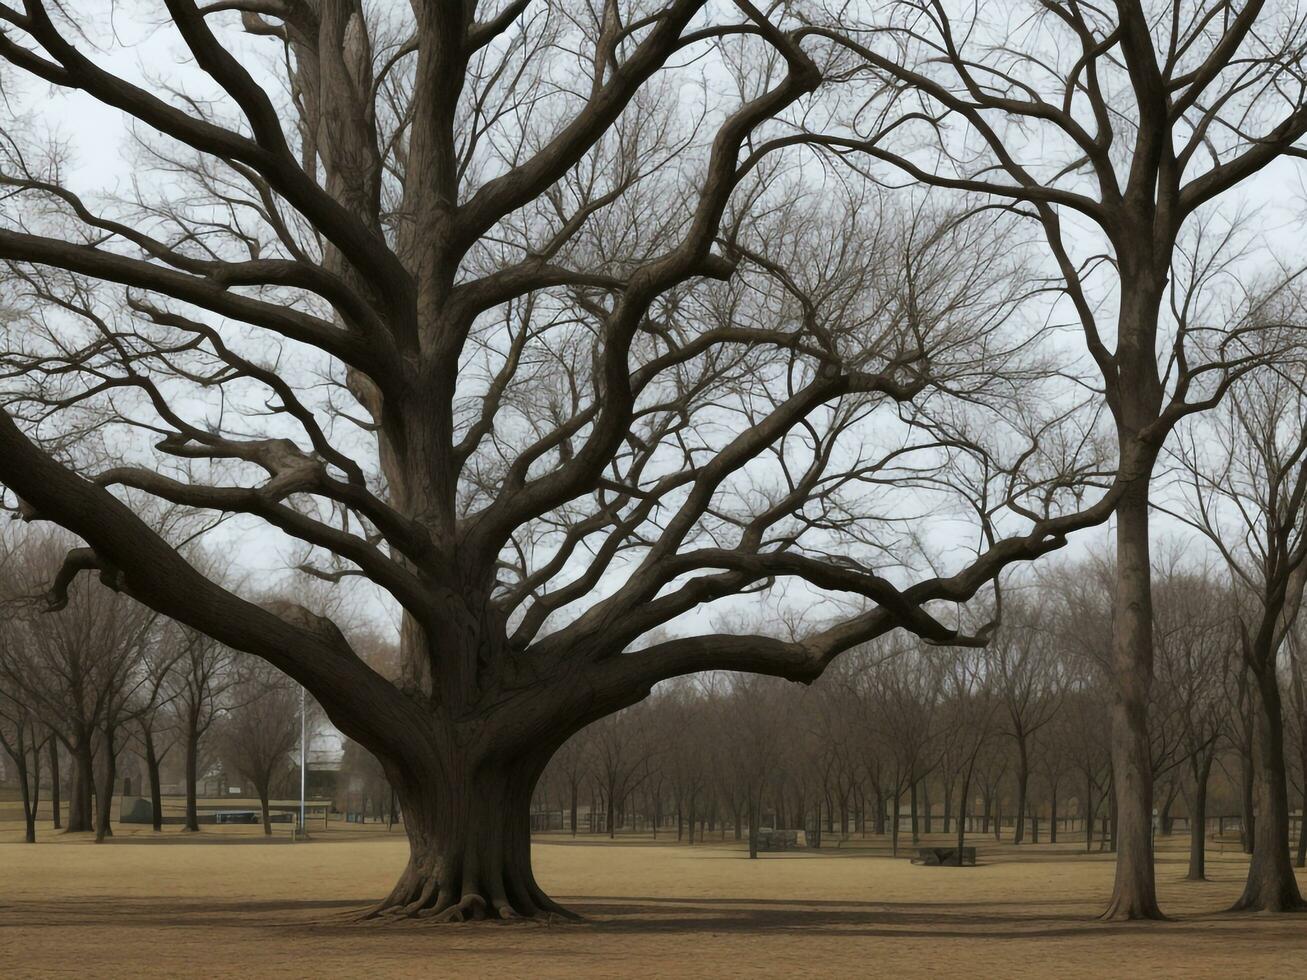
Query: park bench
[[777, 840], [938, 857]]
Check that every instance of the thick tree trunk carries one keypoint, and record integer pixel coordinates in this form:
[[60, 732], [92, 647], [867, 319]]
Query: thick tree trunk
[[55, 804], [79, 808], [1134, 893], [1271, 885], [469, 844], [263, 807]]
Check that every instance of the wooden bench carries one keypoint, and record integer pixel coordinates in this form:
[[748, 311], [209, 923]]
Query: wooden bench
[[777, 840], [939, 857]]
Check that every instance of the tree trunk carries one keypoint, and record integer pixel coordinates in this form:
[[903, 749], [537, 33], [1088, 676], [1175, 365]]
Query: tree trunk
[[152, 768], [267, 816], [912, 811], [1198, 817], [1300, 859], [1052, 814], [1271, 885], [1087, 809], [753, 827], [880, 812], [104, 795], [192, 775], [894, 824], [948, 803], [1023, 786], [469, 843], [574, 808], [962, 814], [1134, 893], [79, 807], [55, 803]]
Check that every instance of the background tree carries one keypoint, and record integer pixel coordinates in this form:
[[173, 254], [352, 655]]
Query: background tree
[[1119, 130], [1247, 485], [259, 735]]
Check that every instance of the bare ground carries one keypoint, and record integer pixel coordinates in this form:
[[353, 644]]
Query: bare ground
[[230, 903]]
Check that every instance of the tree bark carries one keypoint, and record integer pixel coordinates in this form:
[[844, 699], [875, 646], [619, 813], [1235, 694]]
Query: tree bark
[[469, 843], [1134, 893], [1271, 884]]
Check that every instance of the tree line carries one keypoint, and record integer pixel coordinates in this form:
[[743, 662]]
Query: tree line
[[1004, 740], [105, 676]]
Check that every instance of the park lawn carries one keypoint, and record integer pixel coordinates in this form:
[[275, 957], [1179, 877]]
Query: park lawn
[[229, 903]]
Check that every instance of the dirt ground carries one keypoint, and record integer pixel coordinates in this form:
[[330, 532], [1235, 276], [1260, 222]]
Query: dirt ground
[[230, 903]]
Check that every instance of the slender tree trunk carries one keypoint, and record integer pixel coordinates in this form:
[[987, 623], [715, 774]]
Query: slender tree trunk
[[1202, 770], [574, 808], [912, 810], [894, 823], [753, 826], [962, 814], [104, 795], [1052, 813], [156, 792], [880, 812], [55, 804], [1271, 885], [948, 803], [1134, 893], [1023, 788], [1087, 808], [192, 775]]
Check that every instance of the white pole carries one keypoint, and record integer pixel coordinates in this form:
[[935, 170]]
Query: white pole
[[302, 760]]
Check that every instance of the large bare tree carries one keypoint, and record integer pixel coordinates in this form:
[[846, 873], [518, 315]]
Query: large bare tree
[[522, 313]]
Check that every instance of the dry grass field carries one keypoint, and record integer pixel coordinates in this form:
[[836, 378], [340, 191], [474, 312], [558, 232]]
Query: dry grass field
[[227, 902]]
